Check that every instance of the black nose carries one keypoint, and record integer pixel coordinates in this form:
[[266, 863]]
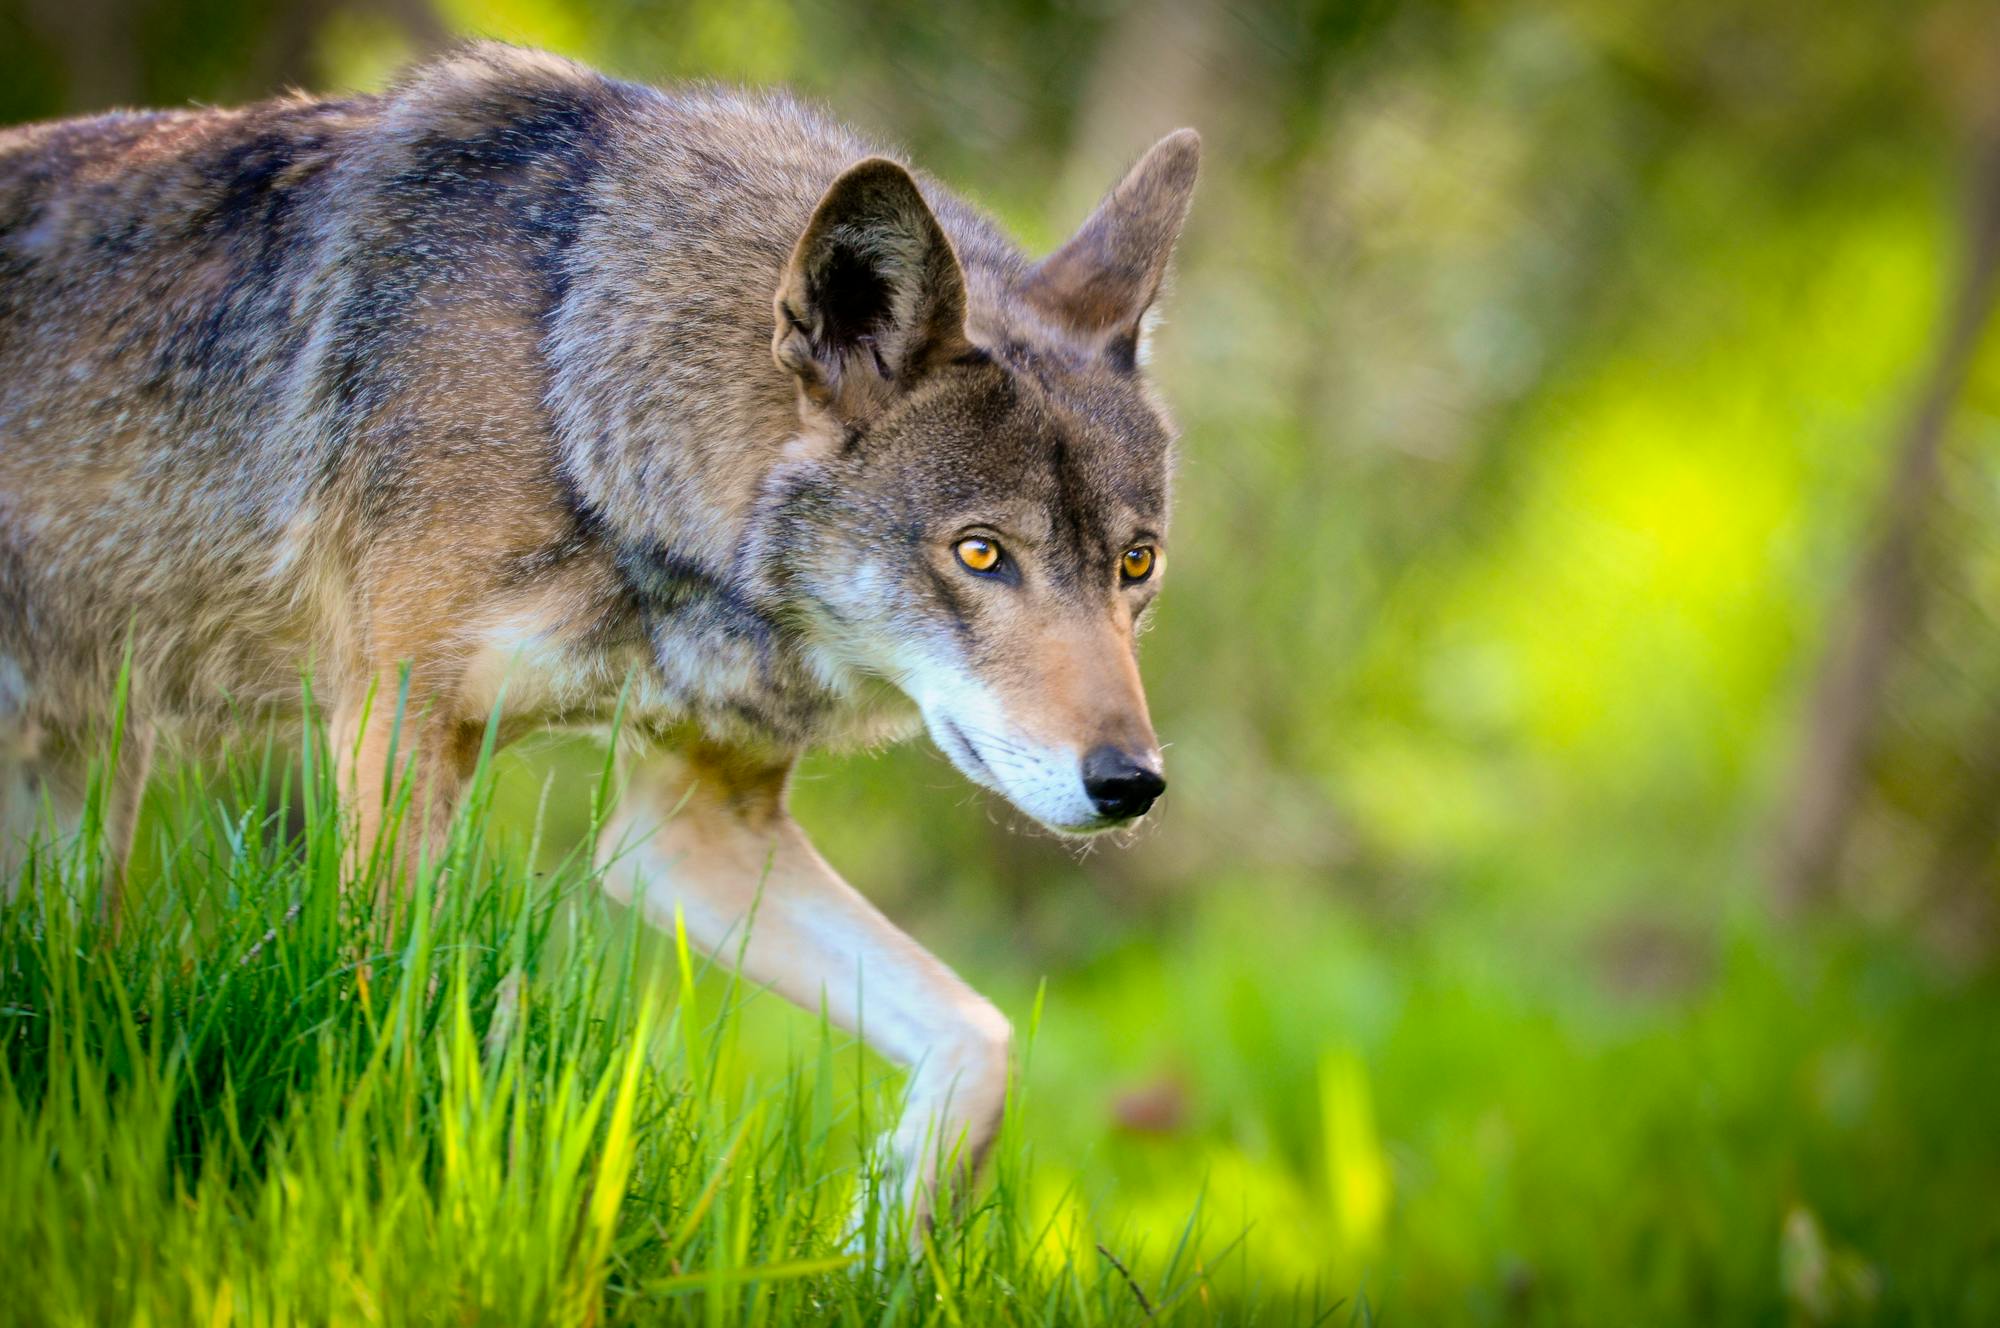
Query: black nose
[[1119, 785]]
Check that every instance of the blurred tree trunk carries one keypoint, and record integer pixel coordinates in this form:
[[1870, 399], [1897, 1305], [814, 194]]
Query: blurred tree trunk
[[1848, 697], [1957, 893], [1150, 77], [284, 55], [420, 22], [109, 58], [98, 44], [288, 53]]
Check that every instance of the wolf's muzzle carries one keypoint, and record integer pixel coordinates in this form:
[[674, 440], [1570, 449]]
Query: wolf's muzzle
[[1120, 785]]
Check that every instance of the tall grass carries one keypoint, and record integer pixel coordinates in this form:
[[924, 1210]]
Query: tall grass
[[267, 1099]]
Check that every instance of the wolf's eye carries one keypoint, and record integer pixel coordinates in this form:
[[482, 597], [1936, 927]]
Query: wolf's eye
[[1137, 564], [979, 553]]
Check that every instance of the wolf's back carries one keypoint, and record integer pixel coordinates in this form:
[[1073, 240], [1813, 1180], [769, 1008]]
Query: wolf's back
[[210, 319], [190, 288], [151, 272]]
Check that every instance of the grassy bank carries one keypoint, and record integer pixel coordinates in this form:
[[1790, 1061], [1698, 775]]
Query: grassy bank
[[267, 1101], [263, 1103]]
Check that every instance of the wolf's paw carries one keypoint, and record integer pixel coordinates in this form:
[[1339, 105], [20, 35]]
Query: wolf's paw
[[886, 1222]]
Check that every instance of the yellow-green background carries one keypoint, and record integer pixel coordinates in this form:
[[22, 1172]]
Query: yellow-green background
[[1541, 369]]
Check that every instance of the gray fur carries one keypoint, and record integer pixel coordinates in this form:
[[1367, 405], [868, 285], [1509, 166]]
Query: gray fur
[[337, 384]]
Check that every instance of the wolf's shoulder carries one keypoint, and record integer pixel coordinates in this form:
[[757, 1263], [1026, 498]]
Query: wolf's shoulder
[[482, 87]]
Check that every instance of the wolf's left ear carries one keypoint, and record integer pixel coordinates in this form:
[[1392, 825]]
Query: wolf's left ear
[[1103, 280], [873, 297]]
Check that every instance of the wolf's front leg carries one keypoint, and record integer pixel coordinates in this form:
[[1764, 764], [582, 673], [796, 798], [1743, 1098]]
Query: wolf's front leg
[[709, 833], [378, 757]]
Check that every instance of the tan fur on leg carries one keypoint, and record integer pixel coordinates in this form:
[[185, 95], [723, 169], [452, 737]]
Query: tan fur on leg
[[377, 759], [730, 849]]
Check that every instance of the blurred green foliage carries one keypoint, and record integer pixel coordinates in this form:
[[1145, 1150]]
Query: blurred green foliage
[[1541, 369]]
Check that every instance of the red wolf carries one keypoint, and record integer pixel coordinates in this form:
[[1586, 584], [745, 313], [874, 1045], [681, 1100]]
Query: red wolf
[[519, 374]]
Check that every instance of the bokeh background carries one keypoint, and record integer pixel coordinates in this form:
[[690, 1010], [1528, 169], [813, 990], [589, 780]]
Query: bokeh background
[[1577, 896]]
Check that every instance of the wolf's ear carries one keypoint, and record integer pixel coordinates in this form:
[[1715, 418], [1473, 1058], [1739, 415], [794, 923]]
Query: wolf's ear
[[1103, 280], [873, 297]]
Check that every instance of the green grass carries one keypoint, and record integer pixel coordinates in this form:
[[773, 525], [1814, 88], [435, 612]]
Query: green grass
[[264, 1102], [508, 1103]]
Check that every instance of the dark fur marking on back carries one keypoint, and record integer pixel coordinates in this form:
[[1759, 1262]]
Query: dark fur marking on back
[[251, 228], [517, 188]]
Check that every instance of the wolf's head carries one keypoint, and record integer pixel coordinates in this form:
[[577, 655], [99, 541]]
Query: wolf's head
[[976, 506]]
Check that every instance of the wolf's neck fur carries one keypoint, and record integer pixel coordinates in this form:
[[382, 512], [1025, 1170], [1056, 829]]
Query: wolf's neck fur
[[670, 411]]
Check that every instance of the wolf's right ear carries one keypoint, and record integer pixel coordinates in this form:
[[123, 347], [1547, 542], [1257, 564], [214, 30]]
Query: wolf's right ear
[[873, 297]]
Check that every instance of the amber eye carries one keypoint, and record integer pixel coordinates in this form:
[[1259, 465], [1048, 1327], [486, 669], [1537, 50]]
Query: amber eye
[[1137, 564], [979, 553]]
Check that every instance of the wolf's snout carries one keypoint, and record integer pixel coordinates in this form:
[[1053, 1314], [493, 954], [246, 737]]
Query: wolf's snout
[[1120, 785]]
